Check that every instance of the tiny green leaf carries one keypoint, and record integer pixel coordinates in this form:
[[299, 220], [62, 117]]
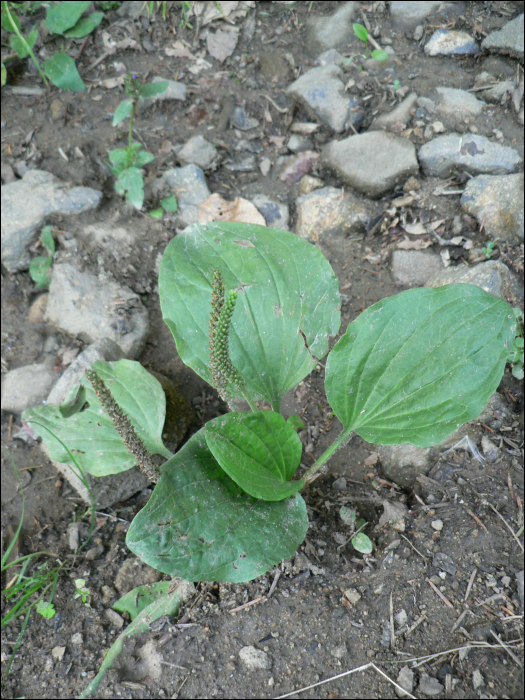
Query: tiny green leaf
[[360, 32], [153, 89], [362, 543], [169, 204], [139, 598], [259, 451], [157, 213], [142, 158], [122, 112], [379, 54], [47, 610], [85, 26], [131, 184], [62, 72], [48, 240], [63, 15], [347, 515], [38, 268]]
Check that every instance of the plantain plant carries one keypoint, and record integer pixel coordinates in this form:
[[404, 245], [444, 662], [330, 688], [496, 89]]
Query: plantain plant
[[252, 311]]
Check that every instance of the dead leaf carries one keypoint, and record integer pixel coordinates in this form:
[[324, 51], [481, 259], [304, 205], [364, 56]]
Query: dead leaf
[[199, 65], [418, 244], [416, 229], [178, 50], [112, 83], [222, 44], [215, 208], [208, 11], [433, 225]]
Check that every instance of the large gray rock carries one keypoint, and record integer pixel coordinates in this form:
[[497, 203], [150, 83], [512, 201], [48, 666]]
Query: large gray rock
[[508, 40], [26, 203], [497, 202], [25, 387], [331, 32], [188, 185], [330, 211], [475, 154], [87, 308], [372, 163], [321, 92], [412, 268]]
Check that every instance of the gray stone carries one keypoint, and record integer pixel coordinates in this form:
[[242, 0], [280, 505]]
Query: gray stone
[[399, 115], [477, 679], [240, 120], [429, 686], [492, 276], [321, 92], [26, 203], [360, 161], [508, 40], [90, 309], [115, 619], [189, 186], [103, 349], [443, 562], [275, 214], [298, 144], [405, 677], [25, 387], [272, 66], [407, 14], [330, 211], [403, 463], [496, 200], [412, 268], [330, 56], [457, 103], [332, 32], [254, 658], [520, 584], [445, 42], [476, 154], [174, 91], [197, 151]]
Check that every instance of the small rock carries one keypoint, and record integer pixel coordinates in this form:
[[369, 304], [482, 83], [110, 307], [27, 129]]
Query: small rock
[[508, 40], [174, 91], [496, 200], [360, 161], [489, 449], [401, 618], [437, 525], [199, 152], [95, 552], [352, 596], [394, 514], [331, 32], [339, 484], [308, 184], [429, 686], [254, 658], [418, 32], [445, 563], [330, 212], [133, 573], [412, 268], [410, 13], [240, 120], [73, 536], [275, 214], [457, 103], [519, 581], [37, 309], [77, 639], [58, 652], [476, 154], [477, 679], [399, 115], [265, 166], [297, 143], [26, 386], [328, 57], [445, 42], [298, 166], [405, 679], [114, 618], [57, 109], [340, 651]]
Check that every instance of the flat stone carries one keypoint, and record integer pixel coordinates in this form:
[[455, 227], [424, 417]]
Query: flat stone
[[399, 115], [254, 658], [26, 203], [360, 161], [492, 276], [457, 103], [446, 42], [25, 387], [275, 214], [405, 677], [90, 309], [330, 32], [321, 92], [412, 268], [443, 562], [297, 166], [174, 91], [429, 686], [476, 154], [197, 151], [240, 120], [330, 211], [496, 200], [330, 56], [407, 14], [188, 185], [508, 40], [298, 144]]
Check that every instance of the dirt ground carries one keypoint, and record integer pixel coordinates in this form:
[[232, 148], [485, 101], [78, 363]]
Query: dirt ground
[[444, 587]]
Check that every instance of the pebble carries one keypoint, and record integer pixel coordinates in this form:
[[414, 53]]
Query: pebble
[[240, 120], [273, 67], [330, 56], [90, 309], [26, 386], [115, 619], [497, 202], [297, 166], [477, 679], [444, 562], [199, 152], [508, 40], [457, 103], [254, 658], [77, 639], [340, 651], [265, 166], [476, 154], [490, 450], [437, 525], [26, 203], [330, 32], [37, 309], [405, 679], [520, 584], [308, 184], [401, 618], [275, 213], [412, 268], [352, 596], [445, 42], [399, 115], [330, 211], [360, 161], [429, 686], [297, 143]]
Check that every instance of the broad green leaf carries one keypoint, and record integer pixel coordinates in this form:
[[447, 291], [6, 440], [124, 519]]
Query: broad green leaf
[[169, 204], [131, 184], [360, 32], [85, 26], [38, 268], [142, 158], [122, 112], [139, 598], [416, 366], [362, 543], [48, 240], [201, 526], [259, 451], [379, 55], [153, 89], [90, 434], [286, 288], [63, 15], [20, 46], [62, 72]]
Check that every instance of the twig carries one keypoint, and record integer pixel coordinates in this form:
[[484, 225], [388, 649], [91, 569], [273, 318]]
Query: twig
[[475, 517], [505, 523], [505, 646], [415, 550], [279, 109], [420, 660], [470, 583], [348, 673], [247, 605], [392, 633], [274, 584], [458, 621], [415, 625], [438, 592]]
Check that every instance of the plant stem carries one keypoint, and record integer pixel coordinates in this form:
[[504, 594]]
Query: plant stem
[[250, 400], [130, 135], [315, 469], [29, 50]]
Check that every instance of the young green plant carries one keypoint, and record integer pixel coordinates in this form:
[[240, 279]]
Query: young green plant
[[38, 268], [252, 311], [126, 163]]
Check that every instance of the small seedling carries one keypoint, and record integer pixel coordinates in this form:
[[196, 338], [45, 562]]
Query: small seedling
[[126, 163], [362, 34], [396, 84], [168, 204], [489, 249], [38, 268], [47, 610], [516, 350], [361, 542], [82, 591]]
